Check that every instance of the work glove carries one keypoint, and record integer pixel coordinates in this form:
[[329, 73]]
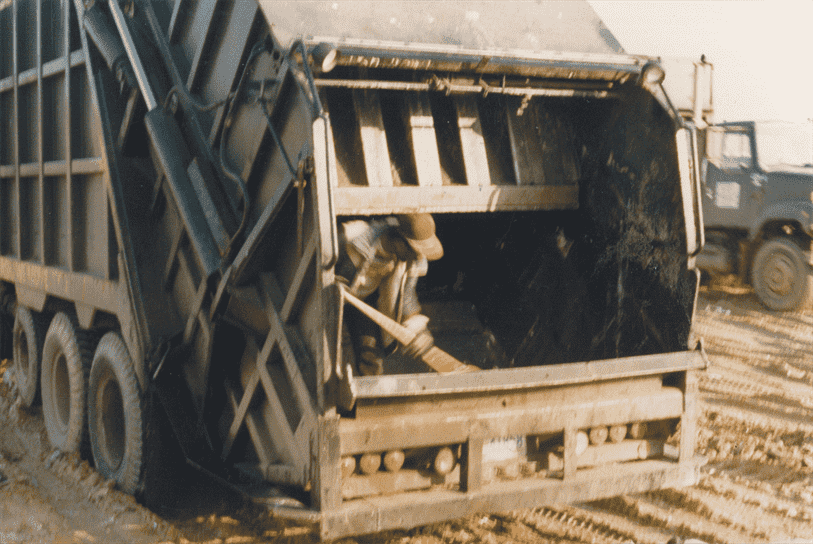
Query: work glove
[[371, 358], [423, 341]]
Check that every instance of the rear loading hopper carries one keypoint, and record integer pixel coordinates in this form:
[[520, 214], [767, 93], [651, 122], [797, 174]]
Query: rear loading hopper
[[175, 180]]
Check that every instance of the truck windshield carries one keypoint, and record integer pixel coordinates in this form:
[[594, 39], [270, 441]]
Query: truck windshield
[[784, 144]]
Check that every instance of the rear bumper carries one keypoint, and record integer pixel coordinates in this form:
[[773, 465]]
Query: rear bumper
[[467, 411], [409, 510], [372, 515]]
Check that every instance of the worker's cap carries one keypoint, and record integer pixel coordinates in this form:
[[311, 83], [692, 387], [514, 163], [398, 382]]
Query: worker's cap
[[419, 231]]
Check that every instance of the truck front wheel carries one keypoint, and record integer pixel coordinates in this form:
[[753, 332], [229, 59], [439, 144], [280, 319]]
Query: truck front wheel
[[781, 276], [115, 418]]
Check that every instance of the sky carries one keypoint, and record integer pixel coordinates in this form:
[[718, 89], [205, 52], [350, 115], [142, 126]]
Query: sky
[[762, 51]]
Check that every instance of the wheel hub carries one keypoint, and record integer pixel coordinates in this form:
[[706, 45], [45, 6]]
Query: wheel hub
[[779, 275], [62, 392], [111, 414]]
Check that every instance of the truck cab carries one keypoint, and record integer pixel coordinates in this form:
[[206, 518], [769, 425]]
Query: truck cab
[[757, 179]]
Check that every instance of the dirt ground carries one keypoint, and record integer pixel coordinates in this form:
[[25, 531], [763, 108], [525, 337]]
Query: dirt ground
[[755, 429]]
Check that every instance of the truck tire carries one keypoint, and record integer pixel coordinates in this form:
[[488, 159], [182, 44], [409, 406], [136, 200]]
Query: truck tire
[[781, 276], [27, 337], [115, 414], [66, 357]]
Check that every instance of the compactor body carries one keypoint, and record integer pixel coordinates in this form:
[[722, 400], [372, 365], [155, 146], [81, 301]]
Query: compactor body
[[175, 179]]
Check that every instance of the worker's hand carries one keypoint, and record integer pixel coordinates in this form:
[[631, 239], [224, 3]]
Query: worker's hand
[[371, 358], [419, 345], [423, 340]]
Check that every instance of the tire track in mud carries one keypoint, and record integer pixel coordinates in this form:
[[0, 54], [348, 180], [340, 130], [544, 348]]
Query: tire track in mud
[[747, 400], [755, 427], [52, 497], [672, 512], [584, 525], [554, 524]]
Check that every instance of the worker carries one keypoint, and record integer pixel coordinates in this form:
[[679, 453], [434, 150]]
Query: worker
[[380, 262]]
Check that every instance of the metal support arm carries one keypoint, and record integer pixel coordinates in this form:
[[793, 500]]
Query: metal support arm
[[132, 54]]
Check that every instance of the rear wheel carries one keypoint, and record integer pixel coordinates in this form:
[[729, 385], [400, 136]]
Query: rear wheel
[[66, 356], [27, 337], [115, 414], [781, 276]]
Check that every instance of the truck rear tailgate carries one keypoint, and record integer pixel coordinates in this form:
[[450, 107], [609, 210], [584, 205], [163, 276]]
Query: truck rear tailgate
[[518, 436]]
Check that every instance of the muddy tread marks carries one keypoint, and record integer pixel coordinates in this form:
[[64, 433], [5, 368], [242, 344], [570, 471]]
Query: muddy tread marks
[[29, 329], [692, 502], [649, 509], [66, 431], [571, 525], [123, 462], [762, 404], [494, 529], [762, 514], [717, 383]]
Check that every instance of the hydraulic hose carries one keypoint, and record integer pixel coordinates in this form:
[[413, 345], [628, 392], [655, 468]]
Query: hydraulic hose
[[227, 170]]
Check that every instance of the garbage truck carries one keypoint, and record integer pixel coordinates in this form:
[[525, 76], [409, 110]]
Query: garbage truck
[[176, 183], [757, 182]]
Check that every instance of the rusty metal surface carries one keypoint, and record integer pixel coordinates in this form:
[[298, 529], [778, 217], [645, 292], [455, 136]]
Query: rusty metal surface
[[374, 514], [506, 400], [453, 427], [461, 88], [530, 377]]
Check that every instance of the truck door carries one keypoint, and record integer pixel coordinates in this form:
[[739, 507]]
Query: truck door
[[732, 186]]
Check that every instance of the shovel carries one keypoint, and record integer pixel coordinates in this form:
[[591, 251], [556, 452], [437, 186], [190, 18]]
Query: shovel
[[436, 358]]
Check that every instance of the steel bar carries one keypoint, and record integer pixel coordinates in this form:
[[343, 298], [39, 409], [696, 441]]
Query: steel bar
[[456, 88], [529, 377], [132, 54]]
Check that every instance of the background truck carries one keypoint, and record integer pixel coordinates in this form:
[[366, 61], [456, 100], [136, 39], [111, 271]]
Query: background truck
[[757, 180], [173, 178]]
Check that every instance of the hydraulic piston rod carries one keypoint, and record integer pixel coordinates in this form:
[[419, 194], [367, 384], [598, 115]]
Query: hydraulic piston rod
[[135, 60]]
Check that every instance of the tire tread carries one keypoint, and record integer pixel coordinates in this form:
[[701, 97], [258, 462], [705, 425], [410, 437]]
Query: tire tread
[[112, 351], [802, 297], [64, 329], [34, 325]]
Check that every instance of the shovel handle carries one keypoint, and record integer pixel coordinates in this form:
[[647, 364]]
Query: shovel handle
[[398, 331], [438, 359]]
